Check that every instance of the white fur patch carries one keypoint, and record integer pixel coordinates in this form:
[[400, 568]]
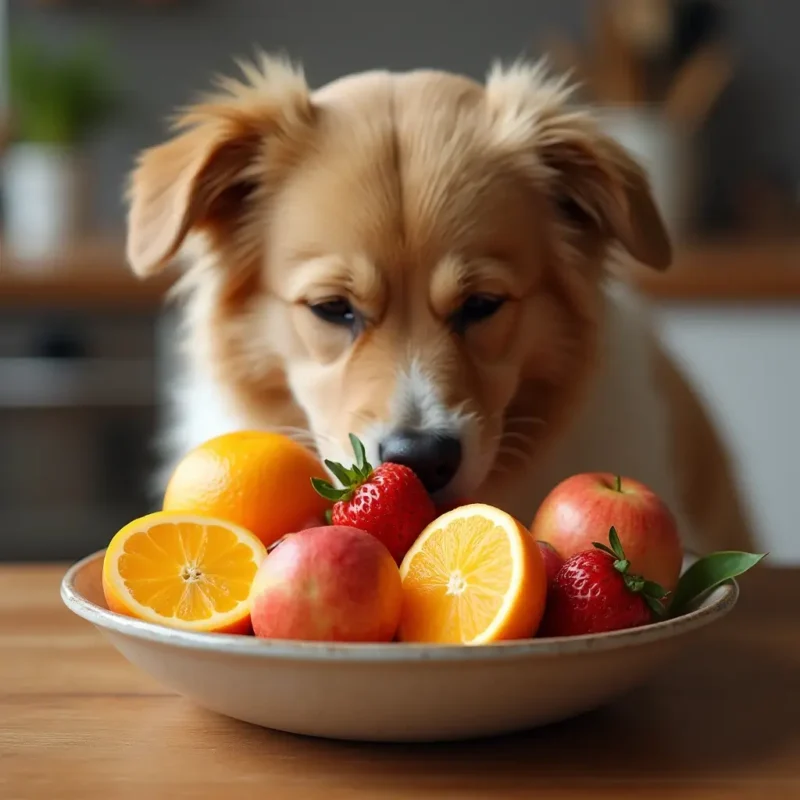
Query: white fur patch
[[195, 408], [417, 404]]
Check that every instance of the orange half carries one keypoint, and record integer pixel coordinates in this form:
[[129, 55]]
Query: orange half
[[474, 576], [183, 570]]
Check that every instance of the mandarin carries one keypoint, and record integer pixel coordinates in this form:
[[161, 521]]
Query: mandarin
[[258, 480]]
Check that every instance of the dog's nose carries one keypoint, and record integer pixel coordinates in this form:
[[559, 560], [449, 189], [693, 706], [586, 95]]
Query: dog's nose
[[434, 457]]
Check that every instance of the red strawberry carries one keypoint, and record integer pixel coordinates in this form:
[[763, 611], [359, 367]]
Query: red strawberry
[[389, 502], [593, 593], [552, 561]]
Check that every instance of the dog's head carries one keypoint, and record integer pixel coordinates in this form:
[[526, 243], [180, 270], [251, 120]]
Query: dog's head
[[416, 259]]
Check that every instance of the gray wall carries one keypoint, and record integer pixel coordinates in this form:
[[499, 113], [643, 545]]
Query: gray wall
[[165, 56]]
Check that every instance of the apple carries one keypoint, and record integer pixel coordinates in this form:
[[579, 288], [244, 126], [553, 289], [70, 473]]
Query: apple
[[331, 583], [552, 561], [583, 508]]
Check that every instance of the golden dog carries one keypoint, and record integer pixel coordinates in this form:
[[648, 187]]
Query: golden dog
[[420, 259]]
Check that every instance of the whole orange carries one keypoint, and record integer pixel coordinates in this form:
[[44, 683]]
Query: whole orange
[[258, 480]]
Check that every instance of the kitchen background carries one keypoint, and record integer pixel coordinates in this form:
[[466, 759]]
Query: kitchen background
[[705, 93]]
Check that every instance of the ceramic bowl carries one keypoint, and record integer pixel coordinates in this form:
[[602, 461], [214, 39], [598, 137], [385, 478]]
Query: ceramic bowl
[[391, 692]]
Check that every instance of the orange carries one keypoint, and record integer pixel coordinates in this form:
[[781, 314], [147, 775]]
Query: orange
[[259, 480], [184, 571], [473, 576]]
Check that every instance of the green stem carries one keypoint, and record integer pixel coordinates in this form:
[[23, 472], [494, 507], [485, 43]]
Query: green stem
[[618, 484]]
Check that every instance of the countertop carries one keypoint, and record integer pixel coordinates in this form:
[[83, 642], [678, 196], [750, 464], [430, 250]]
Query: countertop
[[78, 721], [95, 274]]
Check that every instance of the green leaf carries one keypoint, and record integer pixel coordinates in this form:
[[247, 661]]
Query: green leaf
[[327, 491], [616, 545], [605, 548], [328, 516], [634, 582], [652, 589], [342, 474], [362, 465], [321, 485], [656, 606], [707, 573], [622, 565]]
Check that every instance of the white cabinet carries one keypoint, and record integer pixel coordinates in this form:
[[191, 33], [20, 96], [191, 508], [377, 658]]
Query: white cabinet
[[745, 360]]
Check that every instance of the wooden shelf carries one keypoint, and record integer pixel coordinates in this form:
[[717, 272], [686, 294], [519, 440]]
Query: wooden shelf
[[93, 275], [96, 275], [726, 271]]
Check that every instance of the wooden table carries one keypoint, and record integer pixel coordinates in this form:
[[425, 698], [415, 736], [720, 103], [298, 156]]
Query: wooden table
[[78, 722]]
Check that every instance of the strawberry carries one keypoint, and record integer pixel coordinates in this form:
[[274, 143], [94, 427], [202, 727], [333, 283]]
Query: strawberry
[[593, 592], [389, 501]]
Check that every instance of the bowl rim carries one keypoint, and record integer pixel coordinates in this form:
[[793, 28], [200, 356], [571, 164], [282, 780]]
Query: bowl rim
[[719, 603]]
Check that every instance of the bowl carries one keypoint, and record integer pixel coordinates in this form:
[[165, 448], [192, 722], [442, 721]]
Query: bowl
[[391, 692]]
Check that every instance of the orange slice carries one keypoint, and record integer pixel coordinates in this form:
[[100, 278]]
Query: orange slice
[[184, 571], [473, 576]]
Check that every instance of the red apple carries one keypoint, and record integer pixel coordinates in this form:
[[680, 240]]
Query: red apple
[[552, 560], [331, 583], [582, 509]]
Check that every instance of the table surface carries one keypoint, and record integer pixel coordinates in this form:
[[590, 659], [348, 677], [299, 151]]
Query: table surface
[[78, 721]]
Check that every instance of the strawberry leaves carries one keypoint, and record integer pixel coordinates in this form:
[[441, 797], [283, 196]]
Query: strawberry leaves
[[621, 563], [339, 472], [330, 492], [699, 579], [362, 465], [651, 592], [350, 479]]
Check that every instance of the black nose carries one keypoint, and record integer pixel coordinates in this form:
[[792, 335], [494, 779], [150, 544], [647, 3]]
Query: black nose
[[434, 458]]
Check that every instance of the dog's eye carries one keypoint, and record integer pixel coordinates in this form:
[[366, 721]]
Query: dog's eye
[[337, 311], [476, 308]]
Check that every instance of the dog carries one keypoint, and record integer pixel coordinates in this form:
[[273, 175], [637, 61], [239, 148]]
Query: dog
[[421, 259]]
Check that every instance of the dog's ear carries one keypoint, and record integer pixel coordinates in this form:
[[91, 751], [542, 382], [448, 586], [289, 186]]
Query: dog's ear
[[205, 173], [591, 179]]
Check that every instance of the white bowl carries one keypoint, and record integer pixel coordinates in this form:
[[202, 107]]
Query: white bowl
[[391, 692]]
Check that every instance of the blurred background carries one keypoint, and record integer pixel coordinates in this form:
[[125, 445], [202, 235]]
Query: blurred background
[[706, 94]]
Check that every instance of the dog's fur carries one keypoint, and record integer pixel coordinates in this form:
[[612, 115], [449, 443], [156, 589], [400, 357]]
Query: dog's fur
[[406, 194]]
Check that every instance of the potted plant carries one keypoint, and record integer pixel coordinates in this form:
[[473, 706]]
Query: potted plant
[[57, 101]]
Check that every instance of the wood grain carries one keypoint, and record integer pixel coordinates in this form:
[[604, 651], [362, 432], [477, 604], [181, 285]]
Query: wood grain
[[78, 721]]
